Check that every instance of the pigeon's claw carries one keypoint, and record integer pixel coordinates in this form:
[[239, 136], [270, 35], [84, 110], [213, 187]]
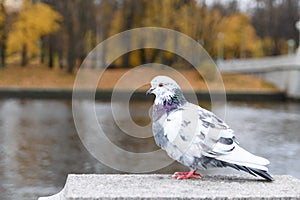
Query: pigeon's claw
[[186, 175]]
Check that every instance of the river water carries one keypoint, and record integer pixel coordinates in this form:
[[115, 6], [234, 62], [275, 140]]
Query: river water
[[39, 144]]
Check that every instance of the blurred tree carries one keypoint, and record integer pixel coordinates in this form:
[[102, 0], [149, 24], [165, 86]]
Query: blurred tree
[[160, 14], [275, 21], [55, 44], [105, 12], [128, 16], [79, 19], [232, 7], [209, 28], [86, 23], [179, 15], [240, 39], [33, 21], [3, 33]]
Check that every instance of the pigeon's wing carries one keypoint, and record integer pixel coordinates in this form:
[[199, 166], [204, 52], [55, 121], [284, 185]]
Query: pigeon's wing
[[220, 143], [217, 138], [196, 131]]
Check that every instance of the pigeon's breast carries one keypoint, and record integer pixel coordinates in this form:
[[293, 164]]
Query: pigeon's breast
[[182, 128]]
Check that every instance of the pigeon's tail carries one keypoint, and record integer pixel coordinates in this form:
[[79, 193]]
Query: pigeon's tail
[[241, 159], [252, 171]]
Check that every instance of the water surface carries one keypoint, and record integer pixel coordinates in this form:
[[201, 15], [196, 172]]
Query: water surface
[[39, 144]]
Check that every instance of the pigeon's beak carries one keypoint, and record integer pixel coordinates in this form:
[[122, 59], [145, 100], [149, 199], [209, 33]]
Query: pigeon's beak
[[149, 91]]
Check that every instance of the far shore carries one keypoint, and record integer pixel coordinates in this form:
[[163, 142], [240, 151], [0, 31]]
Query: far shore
[[39, 82]]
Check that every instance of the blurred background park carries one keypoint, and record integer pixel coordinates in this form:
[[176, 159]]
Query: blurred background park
[[62, 33], [44, 42], [50, 39]]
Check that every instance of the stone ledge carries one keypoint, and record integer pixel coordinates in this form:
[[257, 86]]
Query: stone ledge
[[158, 186]]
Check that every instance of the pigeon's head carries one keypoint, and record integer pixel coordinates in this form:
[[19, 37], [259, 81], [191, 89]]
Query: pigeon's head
[[165, 89]]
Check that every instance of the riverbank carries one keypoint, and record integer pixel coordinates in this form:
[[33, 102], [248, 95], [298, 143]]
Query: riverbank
[[38, 81], [105, 95]]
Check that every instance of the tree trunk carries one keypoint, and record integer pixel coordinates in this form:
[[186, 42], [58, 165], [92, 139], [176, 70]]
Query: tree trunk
[[42, 58], [24, 60], [2, 54], [3, 37], [71, 53], [71, 62], [61, 59], [50, 64]]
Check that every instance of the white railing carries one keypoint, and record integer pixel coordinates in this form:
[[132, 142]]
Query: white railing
[[260, 64]]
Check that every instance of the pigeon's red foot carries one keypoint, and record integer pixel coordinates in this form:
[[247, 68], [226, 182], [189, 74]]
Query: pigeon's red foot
[[186, 175]]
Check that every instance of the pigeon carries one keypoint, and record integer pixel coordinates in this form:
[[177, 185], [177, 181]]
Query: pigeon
[[196, 137]]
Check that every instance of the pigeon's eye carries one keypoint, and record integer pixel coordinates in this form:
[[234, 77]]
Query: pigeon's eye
[[160, 85]]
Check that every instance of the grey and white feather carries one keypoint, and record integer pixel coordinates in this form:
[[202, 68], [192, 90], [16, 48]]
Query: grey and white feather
[[196, 137]]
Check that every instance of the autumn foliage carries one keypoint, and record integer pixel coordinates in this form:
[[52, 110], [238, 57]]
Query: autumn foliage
[[62, 33], [34, 21]]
